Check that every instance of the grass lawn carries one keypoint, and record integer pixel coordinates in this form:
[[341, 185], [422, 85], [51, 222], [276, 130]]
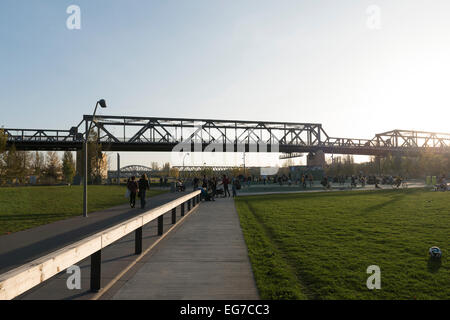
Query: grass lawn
[[27, 207], [319, 245]]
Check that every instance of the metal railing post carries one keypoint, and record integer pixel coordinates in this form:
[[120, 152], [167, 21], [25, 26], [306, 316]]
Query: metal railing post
[[182, 209], [138, 241], [174, 215], [96, 271], [189, 205], [160, 225]]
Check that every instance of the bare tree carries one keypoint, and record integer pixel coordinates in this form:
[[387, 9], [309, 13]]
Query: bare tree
[[52, 166]]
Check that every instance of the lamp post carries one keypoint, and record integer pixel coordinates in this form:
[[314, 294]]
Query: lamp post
[[244, 165], [102, 104]]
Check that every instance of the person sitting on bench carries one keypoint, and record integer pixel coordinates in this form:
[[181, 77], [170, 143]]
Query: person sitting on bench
[[442, 185]]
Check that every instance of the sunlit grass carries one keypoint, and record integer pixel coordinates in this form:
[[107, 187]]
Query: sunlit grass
[[26, 207], [319, 245]]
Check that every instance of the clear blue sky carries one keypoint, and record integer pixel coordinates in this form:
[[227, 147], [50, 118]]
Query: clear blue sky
[[303, 61]]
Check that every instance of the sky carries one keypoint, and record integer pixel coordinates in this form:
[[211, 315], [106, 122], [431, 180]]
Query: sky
[[340, 63]]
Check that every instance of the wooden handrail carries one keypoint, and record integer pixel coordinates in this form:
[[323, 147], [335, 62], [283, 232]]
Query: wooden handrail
[[19, 280]]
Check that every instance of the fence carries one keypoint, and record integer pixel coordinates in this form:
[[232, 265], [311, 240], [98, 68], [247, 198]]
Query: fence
[[17, 281]]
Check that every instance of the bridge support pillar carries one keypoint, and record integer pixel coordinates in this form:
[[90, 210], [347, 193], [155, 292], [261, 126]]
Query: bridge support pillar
[[160, 225], [316, 159], [138, 241], [378, 164], [96, 270], [174, 215]]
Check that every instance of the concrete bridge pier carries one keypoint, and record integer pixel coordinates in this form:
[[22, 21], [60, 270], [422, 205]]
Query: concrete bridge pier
[[316, 159]]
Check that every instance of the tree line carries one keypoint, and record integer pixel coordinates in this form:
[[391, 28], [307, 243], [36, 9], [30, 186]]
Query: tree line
[[18, 167], [420, 166]]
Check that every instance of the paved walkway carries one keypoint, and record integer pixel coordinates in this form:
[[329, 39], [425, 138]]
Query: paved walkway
[[205, 258]]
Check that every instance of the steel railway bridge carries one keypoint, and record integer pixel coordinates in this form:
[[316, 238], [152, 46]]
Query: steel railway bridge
[[122, 133]]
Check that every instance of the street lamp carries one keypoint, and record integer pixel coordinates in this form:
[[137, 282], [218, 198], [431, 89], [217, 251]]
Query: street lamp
[[244, 164], [102, 104]]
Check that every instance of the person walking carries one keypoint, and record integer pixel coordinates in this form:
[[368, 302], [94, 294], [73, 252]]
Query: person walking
[[234, 186], [195, 183], [213, 187], [225, 183], [133, 187], [143, 186], [304, 181]]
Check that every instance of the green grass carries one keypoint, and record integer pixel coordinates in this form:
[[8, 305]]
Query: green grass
[[319, 245], [27, 207]]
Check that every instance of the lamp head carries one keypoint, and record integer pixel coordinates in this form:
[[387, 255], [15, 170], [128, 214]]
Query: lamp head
[[102, 103]]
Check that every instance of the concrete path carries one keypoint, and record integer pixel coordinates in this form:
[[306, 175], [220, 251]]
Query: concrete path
[[205, 258]]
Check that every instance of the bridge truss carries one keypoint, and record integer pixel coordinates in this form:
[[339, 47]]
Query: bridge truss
[[121, 133]]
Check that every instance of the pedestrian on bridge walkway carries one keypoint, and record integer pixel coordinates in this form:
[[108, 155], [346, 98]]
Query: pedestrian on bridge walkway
[[226, 182], [144, 185], [133, 188]]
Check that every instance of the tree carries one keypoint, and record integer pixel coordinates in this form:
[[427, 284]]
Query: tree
[[97, 159], [174, 172], [37, 164], [166, 169], [52, 166], [349, 165], [68, 166], [3, 140], [155, 166], [13, 164], [96, 163]]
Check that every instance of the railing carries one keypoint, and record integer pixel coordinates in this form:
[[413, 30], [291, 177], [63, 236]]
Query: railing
[[17, 281]]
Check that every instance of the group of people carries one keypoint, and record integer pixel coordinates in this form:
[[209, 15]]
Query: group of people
[[304, 180], [138, 188], [355, 180], [211, 187]]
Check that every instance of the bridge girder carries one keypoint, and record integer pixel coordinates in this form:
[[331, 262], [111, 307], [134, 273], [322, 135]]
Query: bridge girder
[[119, 133]]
